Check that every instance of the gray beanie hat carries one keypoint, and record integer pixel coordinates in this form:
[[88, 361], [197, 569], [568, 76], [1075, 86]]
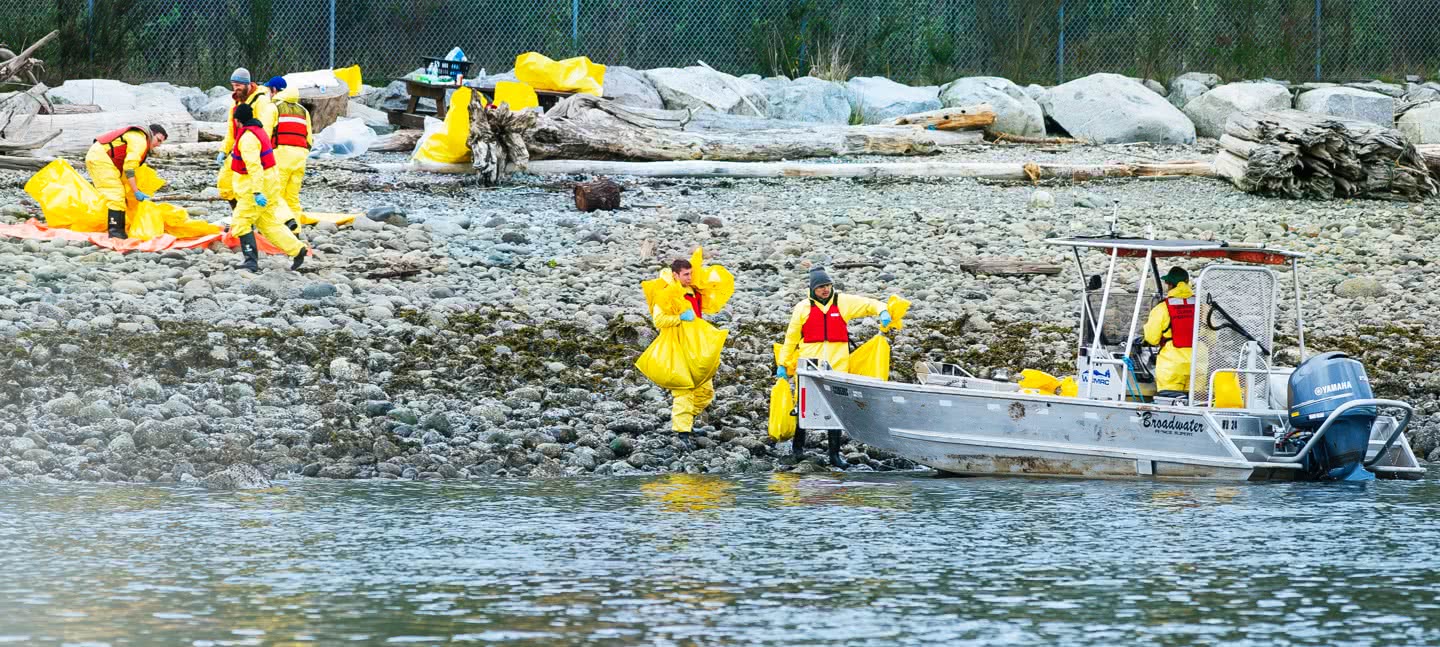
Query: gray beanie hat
[[818, 277], [240, 75]]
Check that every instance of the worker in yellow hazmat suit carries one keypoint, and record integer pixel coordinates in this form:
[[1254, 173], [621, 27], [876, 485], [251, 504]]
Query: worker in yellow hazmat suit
[[819, 330], [292, 141], [688, 403], [112, 161], [255, 181], [244, 93], [1171, 325]]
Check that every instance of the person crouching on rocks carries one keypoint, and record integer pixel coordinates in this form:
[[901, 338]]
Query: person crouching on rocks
[[819, 330], [688, 402], [256, 181]]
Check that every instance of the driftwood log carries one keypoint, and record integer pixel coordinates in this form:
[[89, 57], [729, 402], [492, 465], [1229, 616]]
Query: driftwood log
[[7, 146], [70, 109], [13, 163], [585, 127], [397, 142], [1002, 171], [325, 110], [602, 194], [959, 118], [79, 131], [1008, 267], [1431, 154], [1296, 154], [22, 63], [17, 111]]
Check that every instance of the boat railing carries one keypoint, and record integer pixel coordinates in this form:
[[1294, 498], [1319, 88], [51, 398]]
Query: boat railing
[[1337, 413]]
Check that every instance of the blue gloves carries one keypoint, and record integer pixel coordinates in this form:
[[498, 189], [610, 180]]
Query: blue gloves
[[884, 317], [688, 315], [141, 196], [780, 372], [260, 200], [219, 158]]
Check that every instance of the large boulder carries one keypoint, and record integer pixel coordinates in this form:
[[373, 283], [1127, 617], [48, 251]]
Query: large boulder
[[1349, 103], [807, 99], [1036, 92], [237, 477], [217, 109], [699, 88], [390, 97], [1421, 124], [1015, 112], [375, 119], [1183, 91], [1113, 109], [1213, 109], [876, 98], [627, 86], [192, 98], [117, 96], [1391, 90], [1210, 81]]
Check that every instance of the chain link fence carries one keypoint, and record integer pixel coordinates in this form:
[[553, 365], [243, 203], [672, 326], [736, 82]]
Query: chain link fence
[[198, 42]]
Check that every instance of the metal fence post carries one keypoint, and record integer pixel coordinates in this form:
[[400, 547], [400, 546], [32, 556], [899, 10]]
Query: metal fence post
[[90, 18], [332, 34], [1317, 40], [1060, 48], [575, 25]]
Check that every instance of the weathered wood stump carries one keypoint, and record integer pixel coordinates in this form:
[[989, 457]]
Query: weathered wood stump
[[602, 194], [1297, 154]]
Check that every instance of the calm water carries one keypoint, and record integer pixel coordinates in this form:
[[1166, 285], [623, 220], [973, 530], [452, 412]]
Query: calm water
[[680, 560]]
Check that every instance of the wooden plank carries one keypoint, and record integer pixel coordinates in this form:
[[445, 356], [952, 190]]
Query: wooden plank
[[1008, 267], [962, 117]]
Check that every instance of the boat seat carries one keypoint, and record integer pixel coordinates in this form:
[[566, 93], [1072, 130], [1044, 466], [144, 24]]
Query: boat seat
[[952, 375]]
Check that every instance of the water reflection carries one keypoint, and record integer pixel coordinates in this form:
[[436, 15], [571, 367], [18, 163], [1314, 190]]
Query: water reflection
[[825, 559]]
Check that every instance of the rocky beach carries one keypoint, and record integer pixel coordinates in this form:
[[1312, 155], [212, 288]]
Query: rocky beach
[[462, 332]]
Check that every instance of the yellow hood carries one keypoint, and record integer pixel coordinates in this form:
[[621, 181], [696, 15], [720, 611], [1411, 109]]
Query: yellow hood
[[288, 95]]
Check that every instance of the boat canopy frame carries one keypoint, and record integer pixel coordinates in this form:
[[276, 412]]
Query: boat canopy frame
[[1149, 251]]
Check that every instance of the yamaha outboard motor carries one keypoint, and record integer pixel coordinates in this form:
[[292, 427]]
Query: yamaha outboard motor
[[1320, 386]]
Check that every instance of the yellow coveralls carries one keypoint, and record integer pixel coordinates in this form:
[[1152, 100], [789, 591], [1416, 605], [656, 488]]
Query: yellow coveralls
[[249, 215], [290, 160], [688, 402], [837, 353], [108, 180], [1172, 367], [265, 113]]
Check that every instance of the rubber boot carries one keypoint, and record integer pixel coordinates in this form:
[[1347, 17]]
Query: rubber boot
[[116, 223], [797, 445], [836, 460], [298, 259], [686, 439], [251, 252]]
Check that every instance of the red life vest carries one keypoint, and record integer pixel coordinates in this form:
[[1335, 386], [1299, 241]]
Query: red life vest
[[118, 147], [267, 154], [1182, 321], [825, 325], [695, 299], [291, 128]]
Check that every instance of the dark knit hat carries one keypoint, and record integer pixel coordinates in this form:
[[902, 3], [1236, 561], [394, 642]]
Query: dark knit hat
[[818, 277]]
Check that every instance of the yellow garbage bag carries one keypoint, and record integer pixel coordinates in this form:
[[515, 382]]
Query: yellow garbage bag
[[1033, 381], [448, 145], [683, 356], [871, 359], [577, 74], [313, 217], [146, 220], [352, 78], [66, 198], [518, 96], [1069, 388], [897, 307], [782, 402], [665, 292], [779, 350], [178, 222], [1228, 394], [713, 281]]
